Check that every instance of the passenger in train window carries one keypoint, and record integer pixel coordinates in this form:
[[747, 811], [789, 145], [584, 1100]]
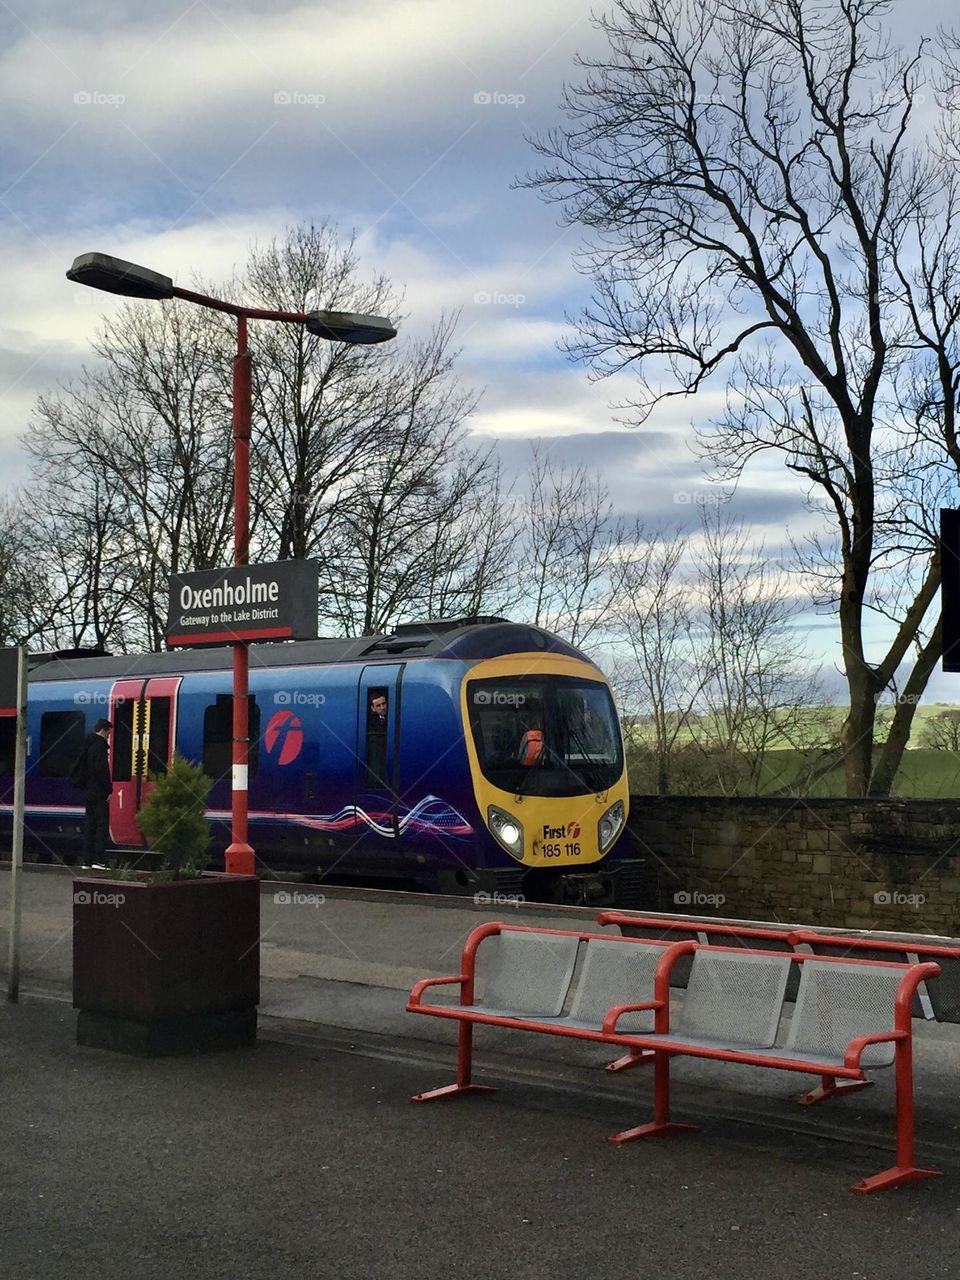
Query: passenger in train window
[[376, 763], [378, 711]]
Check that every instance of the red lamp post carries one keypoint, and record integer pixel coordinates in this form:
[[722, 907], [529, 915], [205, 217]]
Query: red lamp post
[[100, 271]]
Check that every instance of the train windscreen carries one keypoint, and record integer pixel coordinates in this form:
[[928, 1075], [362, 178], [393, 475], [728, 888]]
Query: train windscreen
[[545, 735]]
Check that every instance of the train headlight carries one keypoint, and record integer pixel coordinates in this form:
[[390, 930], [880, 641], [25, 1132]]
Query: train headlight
[[610, 826], [508, 831]]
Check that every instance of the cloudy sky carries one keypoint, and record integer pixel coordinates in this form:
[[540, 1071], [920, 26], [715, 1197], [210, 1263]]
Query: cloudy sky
[[175, 134]]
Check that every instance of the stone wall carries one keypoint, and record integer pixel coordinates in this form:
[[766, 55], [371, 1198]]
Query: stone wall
[[865, 864]]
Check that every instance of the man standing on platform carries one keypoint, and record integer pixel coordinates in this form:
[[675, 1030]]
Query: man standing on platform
[[97, 787]]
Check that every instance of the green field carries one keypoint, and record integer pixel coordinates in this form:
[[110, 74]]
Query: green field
[[925, 772]]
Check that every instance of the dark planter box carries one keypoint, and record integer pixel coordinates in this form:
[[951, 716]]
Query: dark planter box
[[166, 967]]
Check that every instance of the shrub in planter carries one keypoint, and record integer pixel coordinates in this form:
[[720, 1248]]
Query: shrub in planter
[[171, 962], [173, 819]]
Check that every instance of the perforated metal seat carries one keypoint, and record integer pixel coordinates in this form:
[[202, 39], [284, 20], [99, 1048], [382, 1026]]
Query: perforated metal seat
[[838, 1002], [733, 1000], [944, 992], [614, 973], [524, 974]]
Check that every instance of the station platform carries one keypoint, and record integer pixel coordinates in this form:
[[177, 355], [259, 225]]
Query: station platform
[[303, 1156]]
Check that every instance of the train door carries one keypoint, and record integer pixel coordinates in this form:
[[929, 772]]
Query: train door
[[378, 751], [143, 716]]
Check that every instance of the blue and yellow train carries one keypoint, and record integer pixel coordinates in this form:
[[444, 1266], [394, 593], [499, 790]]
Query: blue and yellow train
[[469, 756]]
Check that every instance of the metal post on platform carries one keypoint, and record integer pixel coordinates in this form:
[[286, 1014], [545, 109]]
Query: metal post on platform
[[239, 858], [16, 851]]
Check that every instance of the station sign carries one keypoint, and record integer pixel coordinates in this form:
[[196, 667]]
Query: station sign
[[246, 602], [950, 587]]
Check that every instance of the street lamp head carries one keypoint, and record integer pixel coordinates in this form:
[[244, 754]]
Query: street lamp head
[[344, 326], [113, 275]]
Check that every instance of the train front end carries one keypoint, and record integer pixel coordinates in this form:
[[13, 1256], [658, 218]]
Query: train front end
[[547, 763]]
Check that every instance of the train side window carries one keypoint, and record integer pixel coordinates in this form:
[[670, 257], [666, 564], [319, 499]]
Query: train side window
[[218, 738], [159, 745], [62, 734], [123, 739], [8, 745]]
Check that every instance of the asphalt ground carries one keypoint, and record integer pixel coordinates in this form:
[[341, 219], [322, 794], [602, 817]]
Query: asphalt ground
[[304, 1156], [293, 1160]]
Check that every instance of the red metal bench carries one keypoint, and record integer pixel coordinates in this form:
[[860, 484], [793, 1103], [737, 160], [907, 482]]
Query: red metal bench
[[850, 1014], [528, 982], [940, 1002]]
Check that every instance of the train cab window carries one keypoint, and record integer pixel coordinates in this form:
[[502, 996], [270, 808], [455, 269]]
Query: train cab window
[[218, 738], [8, 745], [545, 735], [62, 734]]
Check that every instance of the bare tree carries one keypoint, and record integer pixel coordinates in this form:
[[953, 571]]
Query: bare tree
[[134, 460], [568, 555], [713, 663], [659, 677], [28, 599], [469, 560], [757, 188], [321, 407], [942, 731], [758, 694], [400, 520]]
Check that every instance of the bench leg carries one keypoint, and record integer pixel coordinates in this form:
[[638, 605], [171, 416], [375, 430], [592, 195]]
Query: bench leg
[[464, 1068], [829, 1087], [904, 1170], [661, 1126], [635, 1058]]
